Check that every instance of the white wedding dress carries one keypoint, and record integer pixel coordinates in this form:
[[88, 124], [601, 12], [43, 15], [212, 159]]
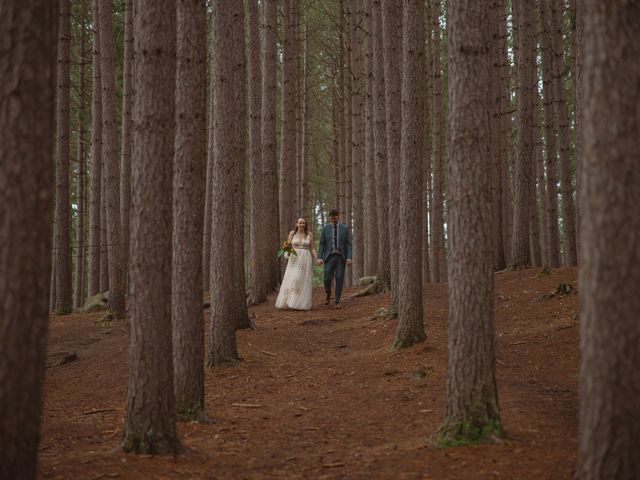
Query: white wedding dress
[[297, 284]]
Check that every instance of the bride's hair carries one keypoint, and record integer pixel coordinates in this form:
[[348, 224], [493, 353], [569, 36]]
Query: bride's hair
[[306, 227]]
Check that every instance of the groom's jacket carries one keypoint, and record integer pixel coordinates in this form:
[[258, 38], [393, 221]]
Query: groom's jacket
[[326, 247]]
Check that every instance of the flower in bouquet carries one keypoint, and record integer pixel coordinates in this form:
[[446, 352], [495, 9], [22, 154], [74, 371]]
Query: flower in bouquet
[[287, 248]]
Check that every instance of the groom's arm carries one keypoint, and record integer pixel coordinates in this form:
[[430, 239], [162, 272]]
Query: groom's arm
[[321, 245], [348, 252]]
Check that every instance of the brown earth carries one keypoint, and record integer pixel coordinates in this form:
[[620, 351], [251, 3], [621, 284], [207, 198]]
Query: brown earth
[[320, 395]]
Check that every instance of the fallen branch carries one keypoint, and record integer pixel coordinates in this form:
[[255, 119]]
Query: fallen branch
[[102, 410], [268, 353], [246, 405]]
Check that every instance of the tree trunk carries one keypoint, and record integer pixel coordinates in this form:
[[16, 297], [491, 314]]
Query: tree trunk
[[577, 102], [208, 200], [347, 164], [380, 147], [568, 208], [392, 38], [127, 103], [472, 400], [437, 222], [358, 99], [150, 421], [541, 192], [28, 36], [104, 242], [520, 251], [268, 139], [78, 298], [505, 124], [609, 275], [95, 209], [111, 162], [370, 202], [426, 164], [551, 130], [409, 295], [62, 208], [534, 228], [188, 208], [229, 104], [288, 123], [259, 249]]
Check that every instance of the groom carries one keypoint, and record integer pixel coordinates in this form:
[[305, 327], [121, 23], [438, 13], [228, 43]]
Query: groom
[[334, 251]]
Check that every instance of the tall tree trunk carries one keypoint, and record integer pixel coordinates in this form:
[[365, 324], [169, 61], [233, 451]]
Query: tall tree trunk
[[472, 400], [347, 164], [62, 209], [188, 208], [534, 228], [208, 200], [104, 241], [496, 148], [78, 298], [541, 193], [426, 167], [568, 208], [288, 123], [577, 101], [437, 221], [380, 147], [259, 249], [28, 40], [609, 275], [229, 105], [125, 162], [505, 124], [111, 162], [409, 295], [358, 99], [520, 252], [551, 130], [370, 202], [392, 38], [150, 421], [268, 138], [95, 209]]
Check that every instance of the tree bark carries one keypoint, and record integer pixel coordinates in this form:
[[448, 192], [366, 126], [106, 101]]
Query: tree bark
[[95, 209], [534, 226], [520, 251], [188, 208], [63, 213], [28, 41], [409, 295], [472, 401], [229, 105], [505, 124], [150, 421], [610, 253], [111, 162]]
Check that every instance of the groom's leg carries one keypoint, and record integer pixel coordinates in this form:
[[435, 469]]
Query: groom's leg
[[329, 269], [339, 278]]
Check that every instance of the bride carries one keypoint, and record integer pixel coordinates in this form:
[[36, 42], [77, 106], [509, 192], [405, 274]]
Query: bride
[[297, 284]]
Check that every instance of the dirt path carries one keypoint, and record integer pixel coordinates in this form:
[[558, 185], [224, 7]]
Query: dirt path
[[320, 395]]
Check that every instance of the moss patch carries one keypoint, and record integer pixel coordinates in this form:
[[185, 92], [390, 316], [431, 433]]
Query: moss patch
[[468, 432]]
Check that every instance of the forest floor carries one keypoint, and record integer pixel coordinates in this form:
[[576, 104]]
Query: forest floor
[[321, 395]]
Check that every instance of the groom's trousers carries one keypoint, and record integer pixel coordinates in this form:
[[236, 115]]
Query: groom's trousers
[[334, 266]]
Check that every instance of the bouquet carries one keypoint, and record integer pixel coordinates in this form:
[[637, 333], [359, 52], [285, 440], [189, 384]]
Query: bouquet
[[287, 248]]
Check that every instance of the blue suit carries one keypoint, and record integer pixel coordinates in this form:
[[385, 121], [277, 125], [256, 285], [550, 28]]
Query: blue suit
[[334, 258]]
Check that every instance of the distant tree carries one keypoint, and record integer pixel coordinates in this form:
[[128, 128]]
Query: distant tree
[[79, 290], [409, 295], [520, 245], [437, 221], [96, 161], [392, 38], [229, 105], [610, 226], [472, 400], [125, 151], [268, 136], [63, 214], [188, 208], [380, 147], [150, 420], [28, 41], [111, 162]]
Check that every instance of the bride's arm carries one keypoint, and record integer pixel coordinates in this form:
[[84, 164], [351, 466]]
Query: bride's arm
[[314, 254]]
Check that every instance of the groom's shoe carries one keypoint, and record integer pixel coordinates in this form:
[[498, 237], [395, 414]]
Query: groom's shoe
[[327, 299], [337, 305]]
